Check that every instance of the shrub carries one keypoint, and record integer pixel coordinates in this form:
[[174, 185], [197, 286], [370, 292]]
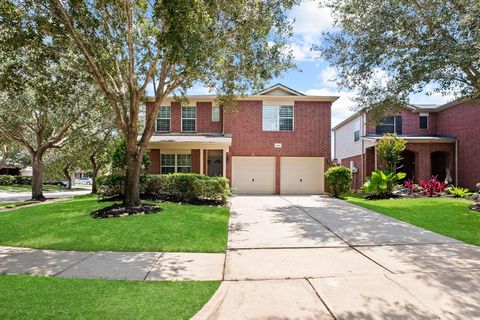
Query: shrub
[[6, 180], [410, 185], [182, 187], [339, 179], [389, 149], [432, 187], [459, 192], [22, 180], [381, 183]]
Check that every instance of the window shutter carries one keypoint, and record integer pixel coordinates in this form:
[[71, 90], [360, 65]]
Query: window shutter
[[270, 118], [398, 124]]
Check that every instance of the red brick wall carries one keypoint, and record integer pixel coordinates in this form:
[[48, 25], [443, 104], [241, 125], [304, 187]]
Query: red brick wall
[[463, 122], [154, 155], [358, 176], [311, 135], [423, 151], [204, 119], [195, 160], [411, 124]]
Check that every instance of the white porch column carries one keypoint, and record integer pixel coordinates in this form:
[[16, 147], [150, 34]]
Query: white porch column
[[201, 161], [224, 152]]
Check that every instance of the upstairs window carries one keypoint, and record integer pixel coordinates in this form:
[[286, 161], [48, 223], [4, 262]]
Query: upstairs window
[[215, 113], [163, 119], [172, 163], [356, 133], [390, 125], [424, 122], [189, 119], [277, 118]]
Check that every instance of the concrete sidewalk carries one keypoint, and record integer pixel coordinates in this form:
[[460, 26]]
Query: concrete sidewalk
[[147, 266], [9, 196], [312, 257]]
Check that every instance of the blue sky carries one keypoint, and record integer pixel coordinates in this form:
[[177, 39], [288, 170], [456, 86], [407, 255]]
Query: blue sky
[[316, 77]]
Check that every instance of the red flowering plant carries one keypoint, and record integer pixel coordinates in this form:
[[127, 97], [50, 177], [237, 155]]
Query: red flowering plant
[[432, 187], [410, 185]]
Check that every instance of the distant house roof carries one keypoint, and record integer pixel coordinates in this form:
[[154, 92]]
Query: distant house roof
[[415, 108], [279, 90]]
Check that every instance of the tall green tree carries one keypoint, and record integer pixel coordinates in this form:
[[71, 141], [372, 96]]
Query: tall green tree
[[389, 49], [43, 95], [233, 46]]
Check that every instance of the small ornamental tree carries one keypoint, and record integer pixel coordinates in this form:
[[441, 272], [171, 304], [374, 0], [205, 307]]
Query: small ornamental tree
[[339, 179], [389, 149]]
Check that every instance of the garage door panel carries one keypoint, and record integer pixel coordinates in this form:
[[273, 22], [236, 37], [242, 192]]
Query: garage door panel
[[302, 175], [253, 175]]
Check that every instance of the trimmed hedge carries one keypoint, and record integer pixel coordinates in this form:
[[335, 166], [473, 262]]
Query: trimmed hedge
[[339, 179], [181, 187], [6, 180]]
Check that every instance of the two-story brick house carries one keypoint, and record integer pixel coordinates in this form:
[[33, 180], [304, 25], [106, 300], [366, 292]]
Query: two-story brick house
[[275, 141], [441, 140]]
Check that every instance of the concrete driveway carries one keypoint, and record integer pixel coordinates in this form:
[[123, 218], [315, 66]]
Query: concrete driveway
[[312, 257]]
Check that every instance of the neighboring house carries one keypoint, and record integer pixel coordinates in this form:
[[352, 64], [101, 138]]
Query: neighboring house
[[441, 140], [275, 141]]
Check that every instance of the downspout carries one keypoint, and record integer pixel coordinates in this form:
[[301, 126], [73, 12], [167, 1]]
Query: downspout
[[456, 162]]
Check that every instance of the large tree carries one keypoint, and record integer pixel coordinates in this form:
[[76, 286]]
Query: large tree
[[42, 93], [389, 49], [232, 46]]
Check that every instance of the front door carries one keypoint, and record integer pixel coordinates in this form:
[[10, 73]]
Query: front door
[[215, 163]]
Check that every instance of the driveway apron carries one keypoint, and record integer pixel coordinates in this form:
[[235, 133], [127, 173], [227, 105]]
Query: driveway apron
[[313, 257]]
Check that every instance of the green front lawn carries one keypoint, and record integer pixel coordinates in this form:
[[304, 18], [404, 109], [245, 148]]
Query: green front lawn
[[67, 225], [26, 297], [28, 188], [447, 216]]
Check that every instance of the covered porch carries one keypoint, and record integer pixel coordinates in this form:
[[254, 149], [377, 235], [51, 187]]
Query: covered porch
[[193, 153], [424, 157]]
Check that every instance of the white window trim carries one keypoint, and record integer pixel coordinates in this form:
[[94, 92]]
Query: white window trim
[[169, 122], [278, 118], [176, 154], [216, 107], [181, 113], [426, 115]]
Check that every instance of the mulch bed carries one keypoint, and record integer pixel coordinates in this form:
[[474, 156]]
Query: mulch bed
[[119, 210]]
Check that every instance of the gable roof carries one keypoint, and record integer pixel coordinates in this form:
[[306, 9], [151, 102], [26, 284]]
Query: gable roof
[[279, 90]]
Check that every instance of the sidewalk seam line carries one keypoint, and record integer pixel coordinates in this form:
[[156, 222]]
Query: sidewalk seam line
[[320, 298], [153, 265], [73, 265]]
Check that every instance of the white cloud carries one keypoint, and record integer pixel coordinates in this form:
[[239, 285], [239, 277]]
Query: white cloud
[[310, 18], [309, 21], [328, 76], [200, 89]]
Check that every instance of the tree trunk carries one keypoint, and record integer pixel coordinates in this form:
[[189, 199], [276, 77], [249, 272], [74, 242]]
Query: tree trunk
[[94, 174], [66, 173], [38, 168], [131, 197]]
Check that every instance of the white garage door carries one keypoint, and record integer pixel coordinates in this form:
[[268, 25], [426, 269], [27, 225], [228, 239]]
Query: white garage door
[[301, 175], [253, 175]]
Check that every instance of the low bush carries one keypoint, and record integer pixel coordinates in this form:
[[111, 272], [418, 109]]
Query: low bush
[[432, 187], [6, 180], [459, 192], [179, 187], [339, 179], [22, 180]]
